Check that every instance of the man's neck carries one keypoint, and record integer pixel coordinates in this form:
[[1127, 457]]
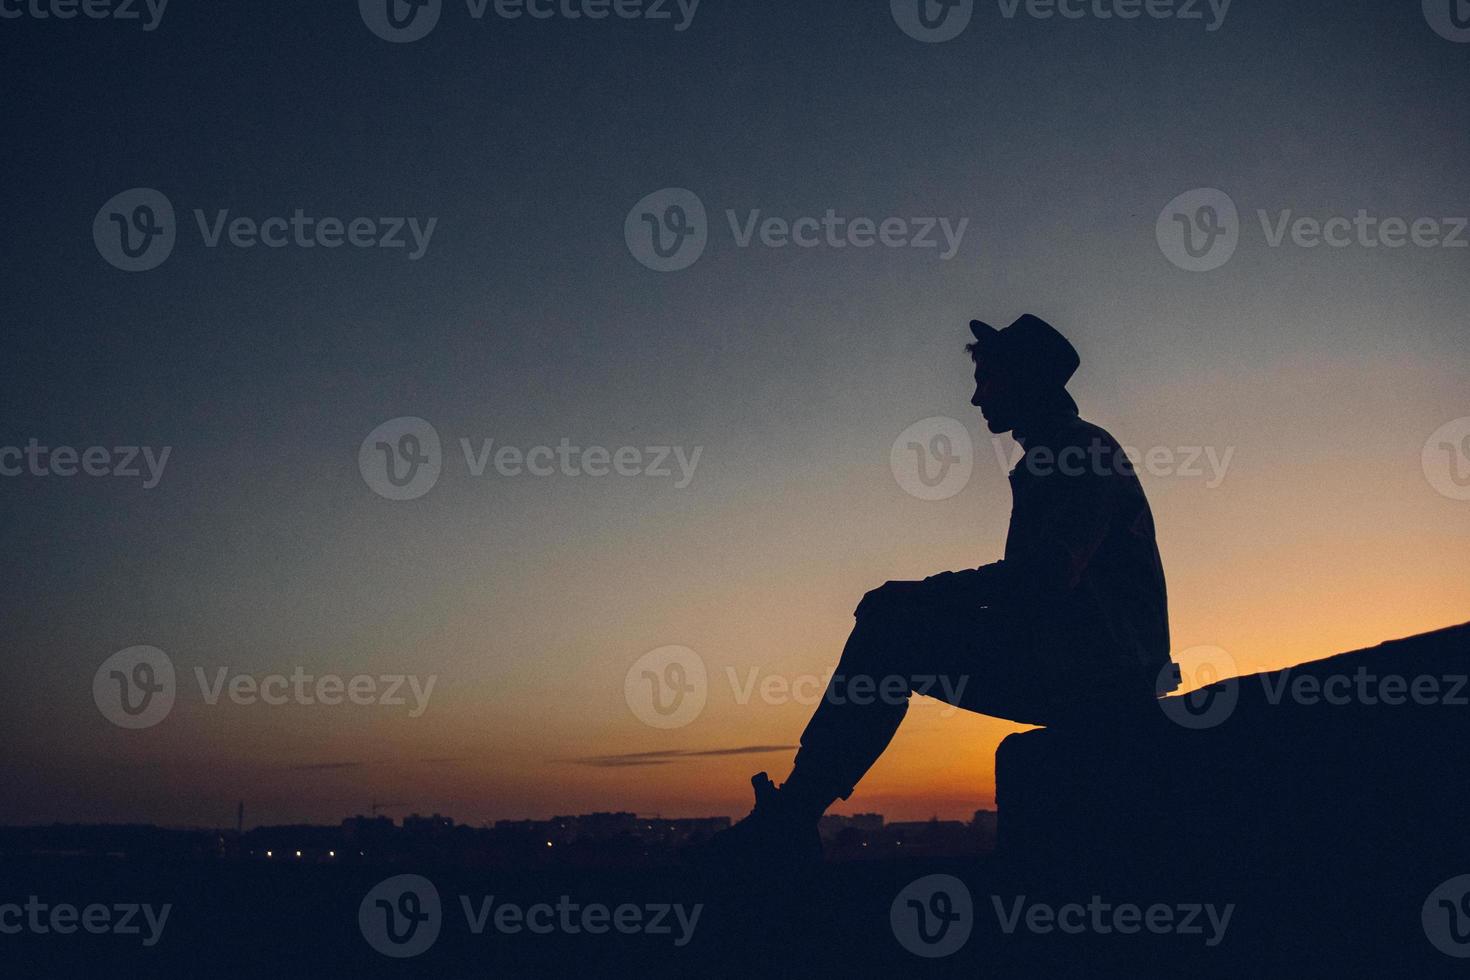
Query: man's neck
[[1042, 426]]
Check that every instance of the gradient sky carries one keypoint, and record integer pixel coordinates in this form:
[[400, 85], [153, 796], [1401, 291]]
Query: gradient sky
[[528, 321]]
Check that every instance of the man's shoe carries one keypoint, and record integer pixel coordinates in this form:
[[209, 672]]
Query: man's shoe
[[772, 835]]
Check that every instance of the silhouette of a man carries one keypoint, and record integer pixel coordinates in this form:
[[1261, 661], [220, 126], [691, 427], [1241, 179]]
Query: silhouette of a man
[[1073, 619]]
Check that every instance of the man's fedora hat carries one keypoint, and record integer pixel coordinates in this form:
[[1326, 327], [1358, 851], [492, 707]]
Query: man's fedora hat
[[1030, 347]]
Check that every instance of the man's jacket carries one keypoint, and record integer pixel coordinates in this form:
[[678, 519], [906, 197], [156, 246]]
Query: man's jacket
[[1081, 580]]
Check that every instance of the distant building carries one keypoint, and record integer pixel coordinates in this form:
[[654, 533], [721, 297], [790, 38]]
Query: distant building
[[602, 825], [368, 836], [983, 827], [415, 824], [833, 824], [677, 832], [930, 837]]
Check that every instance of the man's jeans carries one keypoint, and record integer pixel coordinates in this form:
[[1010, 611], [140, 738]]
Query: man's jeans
[[970, 655]]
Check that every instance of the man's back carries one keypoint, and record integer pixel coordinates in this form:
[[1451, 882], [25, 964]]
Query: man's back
[[1081, 556]]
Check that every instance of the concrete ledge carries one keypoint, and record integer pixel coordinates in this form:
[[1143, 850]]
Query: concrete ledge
[[1360, 783]]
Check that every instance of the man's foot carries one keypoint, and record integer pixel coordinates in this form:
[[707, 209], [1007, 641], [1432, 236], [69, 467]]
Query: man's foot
[[773, 835]]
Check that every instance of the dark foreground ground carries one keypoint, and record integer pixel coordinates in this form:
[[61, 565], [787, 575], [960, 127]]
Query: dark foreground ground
[[285, 920]]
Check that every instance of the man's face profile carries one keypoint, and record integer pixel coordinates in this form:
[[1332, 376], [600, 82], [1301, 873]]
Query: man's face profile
[[995, 396]]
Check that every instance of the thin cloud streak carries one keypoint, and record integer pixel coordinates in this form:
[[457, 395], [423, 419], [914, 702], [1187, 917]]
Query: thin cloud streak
[[666, 756]]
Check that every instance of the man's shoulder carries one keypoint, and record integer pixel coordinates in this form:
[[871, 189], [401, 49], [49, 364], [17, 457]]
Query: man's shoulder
[[1087, 450], [1077, 431]]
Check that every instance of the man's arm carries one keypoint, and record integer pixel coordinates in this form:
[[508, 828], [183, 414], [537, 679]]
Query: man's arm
[[975, 586], [1047, 554], [982, 584]]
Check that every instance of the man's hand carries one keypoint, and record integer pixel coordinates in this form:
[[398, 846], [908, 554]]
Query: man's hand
[[967, 587]]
